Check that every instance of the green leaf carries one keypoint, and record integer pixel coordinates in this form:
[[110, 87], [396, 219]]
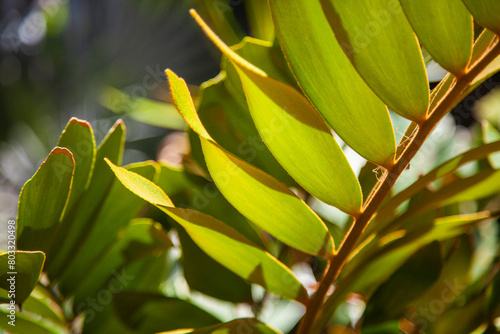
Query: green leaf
[[25, 270], [116, 211], [330, 82], [78, 138], [43, 200], [201, 272], [412, 279], [259, 197], [445, 29], [229, 122], [76, 223], [142, 110], [141, 238], [151, 313], [486, 12], [298, 137], [374, 34], [221, 242], [197, 192]]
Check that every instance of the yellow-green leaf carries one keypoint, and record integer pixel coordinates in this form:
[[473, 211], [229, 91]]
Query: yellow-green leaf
[[259, 197], [445, 29], [330, 82], [296, 135], [221, 242], [378, 40], [43, 200], [486, 12]]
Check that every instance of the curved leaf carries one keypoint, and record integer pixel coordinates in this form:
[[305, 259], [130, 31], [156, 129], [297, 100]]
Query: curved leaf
[[486, 12], [259, 197], [76, 223], [221, 242], [445, 29], [374, 34], [331, 83], [78, 138], [43, 200], [298, 138]]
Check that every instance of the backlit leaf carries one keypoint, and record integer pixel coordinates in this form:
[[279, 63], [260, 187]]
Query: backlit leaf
[[223, 243], [298, 137], [330, 82], [374, 34], [486, 12], [259, 197], [445, 29]]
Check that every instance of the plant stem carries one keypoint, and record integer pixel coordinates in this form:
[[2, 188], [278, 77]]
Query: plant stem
[[383, 187]]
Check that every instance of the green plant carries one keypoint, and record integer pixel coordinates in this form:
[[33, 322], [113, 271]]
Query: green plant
[[421, 258]]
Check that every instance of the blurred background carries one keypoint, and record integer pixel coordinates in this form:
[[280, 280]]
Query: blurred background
[[97, 60], [62, 58]]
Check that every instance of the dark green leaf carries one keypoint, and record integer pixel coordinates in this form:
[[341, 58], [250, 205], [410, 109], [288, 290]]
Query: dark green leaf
[[43, 200]]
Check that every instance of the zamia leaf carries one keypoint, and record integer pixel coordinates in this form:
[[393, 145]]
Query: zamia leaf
[[486, 12], [43, 200], [141, 238], [221, 242], [258, 196], [445, 29], [75, 223], [296, 134], [330, 81], [374, 34], [115, 212], [78, 138]]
